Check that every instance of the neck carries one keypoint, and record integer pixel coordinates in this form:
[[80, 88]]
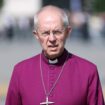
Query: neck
[[58, 60], [53, 57]]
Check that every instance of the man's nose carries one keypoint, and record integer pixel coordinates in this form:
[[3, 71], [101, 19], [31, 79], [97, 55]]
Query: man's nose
[[52, 37]]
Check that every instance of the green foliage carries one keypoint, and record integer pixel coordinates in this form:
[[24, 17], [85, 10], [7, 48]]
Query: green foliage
[[99, 6], [1, 3]]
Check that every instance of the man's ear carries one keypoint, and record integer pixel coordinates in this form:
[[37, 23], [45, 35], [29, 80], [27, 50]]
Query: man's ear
[[68, 30], [35, 34]]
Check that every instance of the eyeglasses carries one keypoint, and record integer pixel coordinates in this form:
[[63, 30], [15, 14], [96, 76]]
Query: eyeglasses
[[56, 32]]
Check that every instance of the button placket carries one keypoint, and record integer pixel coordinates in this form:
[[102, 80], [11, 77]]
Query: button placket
[[52, 74], [51, 67]]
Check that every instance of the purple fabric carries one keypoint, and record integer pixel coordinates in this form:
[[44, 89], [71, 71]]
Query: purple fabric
[[79, 83]]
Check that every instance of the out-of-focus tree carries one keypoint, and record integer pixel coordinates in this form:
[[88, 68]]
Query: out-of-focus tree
[[87, 5], [99, 6], [1, 3]]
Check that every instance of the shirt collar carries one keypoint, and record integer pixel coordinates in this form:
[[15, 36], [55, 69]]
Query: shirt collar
[[60, 60]]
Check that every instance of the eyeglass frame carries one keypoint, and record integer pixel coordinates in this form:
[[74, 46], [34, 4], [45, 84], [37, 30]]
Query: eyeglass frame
[[55, 32]]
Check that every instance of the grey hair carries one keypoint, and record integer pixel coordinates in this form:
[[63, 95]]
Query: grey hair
[[64, 17]]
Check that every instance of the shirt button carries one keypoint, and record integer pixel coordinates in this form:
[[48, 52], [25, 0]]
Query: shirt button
[[51, 75], [52, 67]]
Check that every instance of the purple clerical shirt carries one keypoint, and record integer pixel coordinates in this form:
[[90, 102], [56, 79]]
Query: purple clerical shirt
[[78, 84]]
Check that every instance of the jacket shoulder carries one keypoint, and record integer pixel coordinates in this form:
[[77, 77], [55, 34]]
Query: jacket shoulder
[[27, 62], [81, 60], [83, 64]]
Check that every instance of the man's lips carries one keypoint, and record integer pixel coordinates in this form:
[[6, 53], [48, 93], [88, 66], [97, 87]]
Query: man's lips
[[53, 46]]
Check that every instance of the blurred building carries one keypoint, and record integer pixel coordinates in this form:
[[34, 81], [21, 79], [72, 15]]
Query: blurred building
[[18, 8]]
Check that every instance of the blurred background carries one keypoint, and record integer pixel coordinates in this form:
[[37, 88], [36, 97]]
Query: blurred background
[[17, 42]]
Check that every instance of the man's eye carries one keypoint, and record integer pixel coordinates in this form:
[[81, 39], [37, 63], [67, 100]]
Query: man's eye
[[45, 33], [57, 32]]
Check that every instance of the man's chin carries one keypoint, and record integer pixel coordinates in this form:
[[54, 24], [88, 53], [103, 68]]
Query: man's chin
[[53, 54]]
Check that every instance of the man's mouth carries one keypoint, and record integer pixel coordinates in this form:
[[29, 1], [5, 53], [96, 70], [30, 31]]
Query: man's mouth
[[53, 46]]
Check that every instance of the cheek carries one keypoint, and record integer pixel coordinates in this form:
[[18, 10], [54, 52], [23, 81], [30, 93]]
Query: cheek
[[43, 42], [61, 40]]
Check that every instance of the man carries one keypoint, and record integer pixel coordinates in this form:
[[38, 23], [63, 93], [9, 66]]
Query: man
[[54, 76]]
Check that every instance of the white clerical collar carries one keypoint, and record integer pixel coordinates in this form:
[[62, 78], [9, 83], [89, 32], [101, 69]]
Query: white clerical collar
[[53, 61]]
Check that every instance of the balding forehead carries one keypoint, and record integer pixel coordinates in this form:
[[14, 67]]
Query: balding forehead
[[51, 12], [50, 9]]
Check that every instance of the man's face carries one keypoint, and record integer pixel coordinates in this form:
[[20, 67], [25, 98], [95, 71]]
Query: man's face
[[52, 35]]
